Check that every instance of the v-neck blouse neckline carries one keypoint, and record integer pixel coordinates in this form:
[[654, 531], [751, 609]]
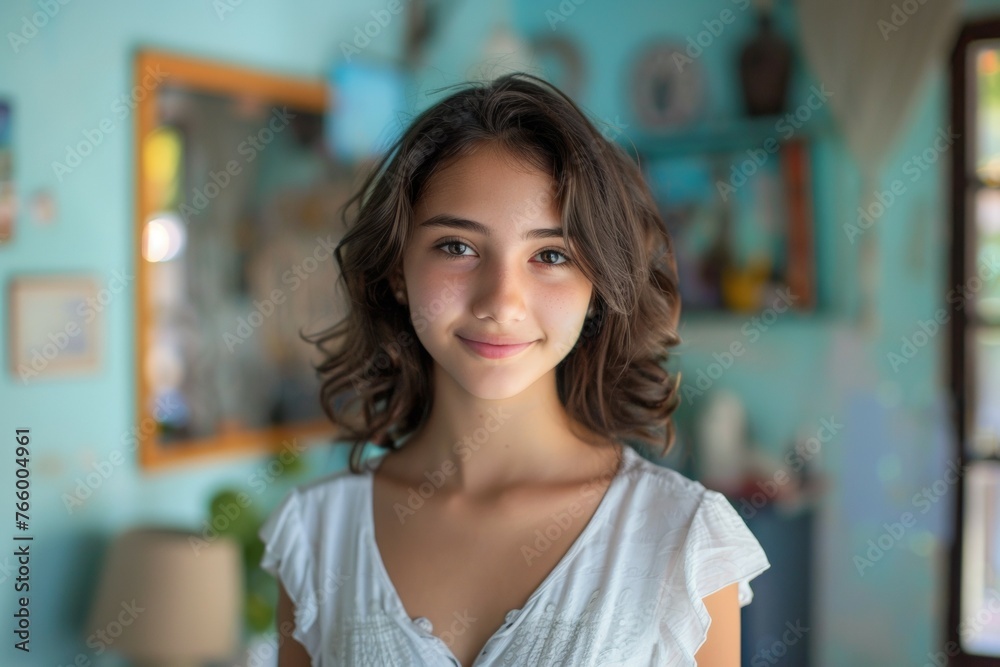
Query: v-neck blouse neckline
[[422, 624]]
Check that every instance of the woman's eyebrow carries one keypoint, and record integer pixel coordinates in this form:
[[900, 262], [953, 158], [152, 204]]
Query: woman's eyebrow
[[452, 222]]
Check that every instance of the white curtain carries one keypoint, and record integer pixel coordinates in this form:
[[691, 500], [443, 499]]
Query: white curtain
[[873, 56]]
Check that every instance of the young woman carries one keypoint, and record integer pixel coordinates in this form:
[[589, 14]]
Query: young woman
[[513, 298]]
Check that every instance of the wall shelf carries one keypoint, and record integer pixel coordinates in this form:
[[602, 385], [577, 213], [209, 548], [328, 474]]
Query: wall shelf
[[726, 135]]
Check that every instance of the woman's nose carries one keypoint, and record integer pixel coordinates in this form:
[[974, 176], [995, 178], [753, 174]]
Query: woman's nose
[[499, 294]]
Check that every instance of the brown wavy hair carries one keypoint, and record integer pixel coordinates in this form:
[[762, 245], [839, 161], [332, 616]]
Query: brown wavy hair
[[377, 376]]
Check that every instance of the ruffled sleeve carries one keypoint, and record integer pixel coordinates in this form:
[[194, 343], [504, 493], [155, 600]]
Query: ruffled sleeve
[[288, 557], [719, 550]]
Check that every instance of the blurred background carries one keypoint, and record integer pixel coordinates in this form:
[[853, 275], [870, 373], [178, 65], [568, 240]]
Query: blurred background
[[170, 175]]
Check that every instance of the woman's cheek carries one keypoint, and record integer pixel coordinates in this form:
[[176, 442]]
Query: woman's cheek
[[419, 321], [566, 314], [434, 294], [566, 334]]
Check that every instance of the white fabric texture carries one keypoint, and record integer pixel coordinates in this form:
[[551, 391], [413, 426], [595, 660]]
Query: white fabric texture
[[628, 592]]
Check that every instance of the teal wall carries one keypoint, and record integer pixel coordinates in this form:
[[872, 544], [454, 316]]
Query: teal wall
[[894, 441], [62, 82]]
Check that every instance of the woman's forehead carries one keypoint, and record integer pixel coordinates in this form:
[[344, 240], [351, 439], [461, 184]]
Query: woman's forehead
[[492, 189]]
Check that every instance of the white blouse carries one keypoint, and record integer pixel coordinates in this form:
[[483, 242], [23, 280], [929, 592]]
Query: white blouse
[[628, 592]]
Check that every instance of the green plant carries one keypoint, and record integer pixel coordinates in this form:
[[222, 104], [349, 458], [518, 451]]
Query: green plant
[[242, 525]]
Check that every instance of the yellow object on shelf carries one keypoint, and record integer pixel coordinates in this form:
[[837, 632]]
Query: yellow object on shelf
[[742, 287]]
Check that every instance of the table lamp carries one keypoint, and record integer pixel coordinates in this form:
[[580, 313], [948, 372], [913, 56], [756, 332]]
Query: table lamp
[[169, 597]]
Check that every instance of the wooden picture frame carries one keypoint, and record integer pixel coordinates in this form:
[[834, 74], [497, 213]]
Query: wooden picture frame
[[171, 72]]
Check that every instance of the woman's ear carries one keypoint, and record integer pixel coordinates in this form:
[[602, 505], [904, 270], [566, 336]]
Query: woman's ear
[[399, 288]]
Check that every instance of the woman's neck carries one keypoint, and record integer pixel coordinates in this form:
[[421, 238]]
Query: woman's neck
[[473, 446]]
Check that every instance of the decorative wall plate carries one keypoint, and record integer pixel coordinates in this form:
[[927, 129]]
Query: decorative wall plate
[[668, 87]]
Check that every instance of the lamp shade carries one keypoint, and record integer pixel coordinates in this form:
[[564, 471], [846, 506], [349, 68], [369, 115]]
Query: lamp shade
[[169, 596]]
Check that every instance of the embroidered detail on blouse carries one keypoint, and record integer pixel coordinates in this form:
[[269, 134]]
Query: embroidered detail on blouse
[[602, 635], [374, 641]]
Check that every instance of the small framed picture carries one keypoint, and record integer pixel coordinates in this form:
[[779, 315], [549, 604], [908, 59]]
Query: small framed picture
[[56, 324]]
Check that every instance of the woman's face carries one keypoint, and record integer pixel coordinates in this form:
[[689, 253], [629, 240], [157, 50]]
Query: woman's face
[[486, 263]]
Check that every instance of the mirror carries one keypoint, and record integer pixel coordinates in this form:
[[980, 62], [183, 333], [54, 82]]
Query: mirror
[[238, 209]]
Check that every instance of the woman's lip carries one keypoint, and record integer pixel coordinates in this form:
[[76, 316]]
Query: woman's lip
[[495, 351]]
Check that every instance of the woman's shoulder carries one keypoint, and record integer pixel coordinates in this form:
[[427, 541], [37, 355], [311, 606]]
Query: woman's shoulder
[[663, 504], [336, 480], [326, 501], [706, 536], [655, 484], [341, 484]]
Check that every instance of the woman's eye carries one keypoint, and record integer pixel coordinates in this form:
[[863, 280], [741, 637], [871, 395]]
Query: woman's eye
[[555, 252], [448, 246], [452, 244]]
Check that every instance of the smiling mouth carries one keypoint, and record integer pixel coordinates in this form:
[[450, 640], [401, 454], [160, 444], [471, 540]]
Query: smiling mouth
[[495, 351]]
